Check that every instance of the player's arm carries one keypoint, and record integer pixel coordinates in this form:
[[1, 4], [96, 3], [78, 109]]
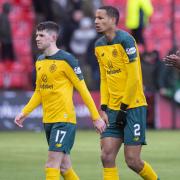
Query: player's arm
[[75, 76], [77, 80], [131, 87], [103, 85], [103, 90], [86, 96], [132, 80], [131, 64], [31, 105]]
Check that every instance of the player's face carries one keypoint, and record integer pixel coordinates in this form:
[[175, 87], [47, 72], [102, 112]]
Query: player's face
[[103, 22], [43, 39]]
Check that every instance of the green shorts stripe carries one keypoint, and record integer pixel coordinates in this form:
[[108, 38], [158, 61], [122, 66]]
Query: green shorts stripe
[[134, 131], [60, 136]]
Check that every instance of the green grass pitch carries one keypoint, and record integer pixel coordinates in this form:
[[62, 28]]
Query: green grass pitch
[[23, 154]]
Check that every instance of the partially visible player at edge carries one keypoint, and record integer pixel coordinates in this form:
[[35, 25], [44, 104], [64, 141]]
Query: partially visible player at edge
[[173, 60], [57, 73], [123, 103]]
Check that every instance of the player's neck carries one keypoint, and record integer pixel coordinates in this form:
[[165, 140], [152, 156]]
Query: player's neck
[[110, 34], [51, 50]]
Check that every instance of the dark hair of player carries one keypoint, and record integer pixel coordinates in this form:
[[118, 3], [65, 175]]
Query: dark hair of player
[[49, 26], [112, 12]]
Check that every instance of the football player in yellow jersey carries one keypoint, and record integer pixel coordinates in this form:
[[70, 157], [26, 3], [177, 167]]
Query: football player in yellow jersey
[[123, 103], [57, 72]]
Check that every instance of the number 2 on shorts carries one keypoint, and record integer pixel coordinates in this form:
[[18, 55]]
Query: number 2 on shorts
[[136, 130]]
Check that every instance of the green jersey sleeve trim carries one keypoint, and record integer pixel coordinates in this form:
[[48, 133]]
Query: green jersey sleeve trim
[[101, 42], [62, 55], [41, 57], [129, 46], [74, 64]]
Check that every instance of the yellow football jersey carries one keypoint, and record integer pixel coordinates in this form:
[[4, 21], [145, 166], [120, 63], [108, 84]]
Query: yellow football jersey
[[56, 76], [120, 71]]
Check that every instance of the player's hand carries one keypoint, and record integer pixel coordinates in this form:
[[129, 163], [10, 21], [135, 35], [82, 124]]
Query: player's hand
[[173, 60], [121, 119], [178, 59], [19, 119], [170, 60], [99, 125], [104, 117]]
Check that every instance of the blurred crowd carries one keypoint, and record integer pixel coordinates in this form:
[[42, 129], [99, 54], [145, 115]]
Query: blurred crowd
[[159, 79], [77, 35]]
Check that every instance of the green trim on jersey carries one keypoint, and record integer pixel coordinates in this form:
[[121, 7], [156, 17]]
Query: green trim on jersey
[[62, 55], [125, 40]]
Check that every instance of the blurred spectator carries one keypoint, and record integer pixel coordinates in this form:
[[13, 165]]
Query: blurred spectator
[[93, 63], [59, 12], [34, 49], [44, 8], [138, 13], [96, 3], [62, 9], [151, 65], [69, 6], [82, 36], [89, 8], [168, 79], [68, 28], [74, 5], [6, 44], [150, 69], [173, 60], [62, 3], [79, 44]]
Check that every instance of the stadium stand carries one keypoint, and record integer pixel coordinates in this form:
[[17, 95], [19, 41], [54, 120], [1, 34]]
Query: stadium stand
[[158, 34], [22, 21]]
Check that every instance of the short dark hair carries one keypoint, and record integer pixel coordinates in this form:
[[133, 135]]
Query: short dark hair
[[112, 12], [49, 26]]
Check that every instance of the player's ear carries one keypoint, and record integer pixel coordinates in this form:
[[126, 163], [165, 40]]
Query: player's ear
[[113, 19], [54, 37]]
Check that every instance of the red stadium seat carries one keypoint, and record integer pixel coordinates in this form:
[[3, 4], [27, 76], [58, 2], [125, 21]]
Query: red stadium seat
[[18, 68], [17, 80], [1, 81], [2, 67]]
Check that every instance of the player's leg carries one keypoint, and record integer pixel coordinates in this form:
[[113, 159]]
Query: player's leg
[[60, 137], [132, 157], [109, 150], [134, 162], [134, 138], [111, 141], [66, 169], [52, 165]]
